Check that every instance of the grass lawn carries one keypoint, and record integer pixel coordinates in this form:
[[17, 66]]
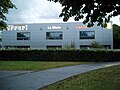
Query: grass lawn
[[34, 65], [102, 79]]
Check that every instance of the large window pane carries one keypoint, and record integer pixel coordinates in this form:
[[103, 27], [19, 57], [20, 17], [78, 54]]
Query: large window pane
[[53, 47], [87, 35], [54, 35], [23, 36]]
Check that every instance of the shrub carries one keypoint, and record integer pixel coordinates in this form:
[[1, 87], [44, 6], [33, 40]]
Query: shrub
[[96, 45], [60, 55]]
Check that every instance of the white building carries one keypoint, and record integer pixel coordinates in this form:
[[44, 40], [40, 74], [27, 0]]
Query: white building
[[56, 35]]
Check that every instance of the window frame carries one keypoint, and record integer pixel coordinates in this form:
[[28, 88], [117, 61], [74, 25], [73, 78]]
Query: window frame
[[87, 37], [54, 37], [26, 37], [53, 46]]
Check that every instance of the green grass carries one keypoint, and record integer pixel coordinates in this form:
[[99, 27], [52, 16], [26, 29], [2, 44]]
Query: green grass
[[34, 65], [102, 79]]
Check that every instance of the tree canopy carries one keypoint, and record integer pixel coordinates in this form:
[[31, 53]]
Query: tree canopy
[[5, 5], [92, 10], [116, 36]]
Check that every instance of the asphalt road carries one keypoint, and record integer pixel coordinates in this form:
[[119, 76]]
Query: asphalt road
[[30, 80]]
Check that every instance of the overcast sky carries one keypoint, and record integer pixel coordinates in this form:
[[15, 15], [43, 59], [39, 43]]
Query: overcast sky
[[39, 11]]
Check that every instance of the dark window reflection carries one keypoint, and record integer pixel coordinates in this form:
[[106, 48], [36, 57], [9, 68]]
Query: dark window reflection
[[87, 35], [23, 36], [54, 35]]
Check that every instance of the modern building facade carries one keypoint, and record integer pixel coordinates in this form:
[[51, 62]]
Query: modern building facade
[[56, 35]]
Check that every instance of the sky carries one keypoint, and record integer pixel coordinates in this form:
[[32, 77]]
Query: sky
[[39, 11]]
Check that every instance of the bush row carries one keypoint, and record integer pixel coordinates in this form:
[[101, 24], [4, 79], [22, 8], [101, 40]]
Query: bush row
[[60, 55]]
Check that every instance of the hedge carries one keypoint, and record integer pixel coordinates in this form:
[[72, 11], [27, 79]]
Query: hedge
[[60, 55]]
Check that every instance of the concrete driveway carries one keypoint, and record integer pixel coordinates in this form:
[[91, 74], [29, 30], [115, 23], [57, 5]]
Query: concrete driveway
[[30, 80]]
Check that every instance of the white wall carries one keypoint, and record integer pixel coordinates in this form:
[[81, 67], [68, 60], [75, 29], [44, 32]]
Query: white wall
[[70, 33]]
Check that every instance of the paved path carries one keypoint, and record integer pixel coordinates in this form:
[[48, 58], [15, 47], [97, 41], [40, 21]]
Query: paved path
[[29, 80]]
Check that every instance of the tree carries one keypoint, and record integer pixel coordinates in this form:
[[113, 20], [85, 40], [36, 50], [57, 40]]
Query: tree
[[92, 10], [116, 36], [5, 5]]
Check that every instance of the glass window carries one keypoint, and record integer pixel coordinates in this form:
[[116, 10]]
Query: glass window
[[14, 47], [23, 36], [87, 34], [107, 46], [54, 35], [54, 47]]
